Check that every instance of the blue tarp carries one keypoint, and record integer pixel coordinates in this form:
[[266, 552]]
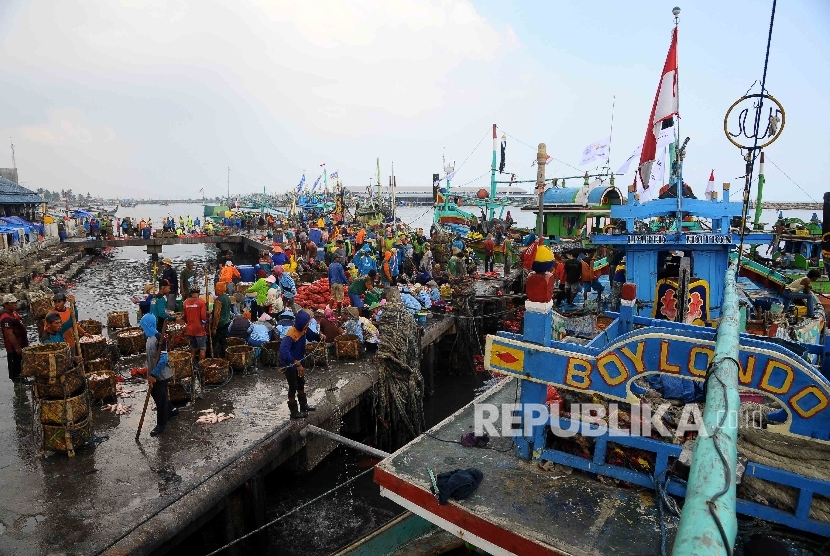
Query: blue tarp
[[83, 214], [17, 221]]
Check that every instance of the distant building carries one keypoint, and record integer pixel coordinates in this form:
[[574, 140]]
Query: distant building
[[16, 200]]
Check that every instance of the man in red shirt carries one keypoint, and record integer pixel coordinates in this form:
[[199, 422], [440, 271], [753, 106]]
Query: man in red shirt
[[489, 253], [14, 335], [195, 316]]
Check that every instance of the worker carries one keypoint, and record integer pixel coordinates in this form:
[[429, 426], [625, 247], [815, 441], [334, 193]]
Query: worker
[[260, 288], [489, 253], [169, 274], [455, 267], [158, 307], [802, 288], [59, 304], [261, 331], [14, 335], [159, 373], [337, 281], [55, 328], [289, 288], [327, 324], [360, 287], [188, 276], [240, 326], [221, 319], [195, 315], [230, 275], [573, 274], [292, 352], [386, 269]]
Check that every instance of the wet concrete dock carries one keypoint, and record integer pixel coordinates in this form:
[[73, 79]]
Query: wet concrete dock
[[121, 497]]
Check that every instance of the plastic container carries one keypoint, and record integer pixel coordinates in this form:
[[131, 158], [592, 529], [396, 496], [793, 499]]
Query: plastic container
[[247, 272]]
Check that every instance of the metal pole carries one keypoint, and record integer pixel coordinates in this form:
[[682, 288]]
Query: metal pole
[[758, 207], [709, 510], [345, 441], [541, 158], [492, 208]]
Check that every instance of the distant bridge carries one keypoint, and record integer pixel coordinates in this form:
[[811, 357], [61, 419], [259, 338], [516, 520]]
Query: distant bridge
[[154, 245], [788, 206]]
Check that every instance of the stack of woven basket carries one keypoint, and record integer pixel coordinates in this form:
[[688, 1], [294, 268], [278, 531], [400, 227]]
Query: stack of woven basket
[[61, 397], [180, 387]]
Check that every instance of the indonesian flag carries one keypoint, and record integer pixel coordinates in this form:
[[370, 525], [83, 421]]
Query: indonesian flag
[[664, 109], [710, 187]]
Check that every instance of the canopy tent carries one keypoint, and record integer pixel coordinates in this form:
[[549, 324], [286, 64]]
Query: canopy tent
[[16, 221], [83, 214]]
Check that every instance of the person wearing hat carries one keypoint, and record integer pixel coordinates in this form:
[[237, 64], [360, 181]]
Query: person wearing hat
[[158, 307], [279, 258], [352, 325], [292, 352], [328, 328], [287, 285], [14, 335], [339, 249], [59, 304], [169, 274], [364, 261], [195, 316], [434, 292], [230, 275], [386, 269], [221, 319], [188, 275], [159, 373], [144, 304], [412, 305], [422, 295]]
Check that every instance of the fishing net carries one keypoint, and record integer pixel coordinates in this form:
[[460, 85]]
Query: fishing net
[[399, 392]]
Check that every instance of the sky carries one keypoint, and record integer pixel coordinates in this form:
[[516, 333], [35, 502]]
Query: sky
[[158, 98]]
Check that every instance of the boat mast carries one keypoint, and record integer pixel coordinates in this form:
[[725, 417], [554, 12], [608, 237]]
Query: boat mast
[[392, 187], [378, 167], [229, 185], [492, 209], [761, 181], [448, 169]]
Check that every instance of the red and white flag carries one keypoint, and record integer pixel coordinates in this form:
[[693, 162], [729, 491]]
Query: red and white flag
[[664, 109], [710, 187]]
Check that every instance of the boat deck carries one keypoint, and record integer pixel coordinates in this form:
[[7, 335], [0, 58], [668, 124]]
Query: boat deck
[[519, 508]]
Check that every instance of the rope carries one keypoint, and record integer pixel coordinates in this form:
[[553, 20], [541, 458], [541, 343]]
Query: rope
[[295, 510], [792, 180], [535, 149], [753, 154]]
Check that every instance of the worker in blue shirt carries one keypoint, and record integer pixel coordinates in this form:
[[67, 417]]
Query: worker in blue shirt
[[292, 353]]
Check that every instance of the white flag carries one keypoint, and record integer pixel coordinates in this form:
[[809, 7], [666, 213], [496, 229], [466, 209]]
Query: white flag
[[636, 154], [710, 187], [598, 149], [655, 180], [665, 137]]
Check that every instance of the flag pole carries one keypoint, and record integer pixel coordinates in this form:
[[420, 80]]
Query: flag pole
[[679, 187], [492, 207]]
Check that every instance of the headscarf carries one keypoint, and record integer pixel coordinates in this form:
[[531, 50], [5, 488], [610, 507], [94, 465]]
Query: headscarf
[[279, 270], [148, 325]]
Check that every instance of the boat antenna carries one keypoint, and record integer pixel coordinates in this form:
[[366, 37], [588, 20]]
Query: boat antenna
[[752, 155], [229, 183], [611, 136], [14, 162]]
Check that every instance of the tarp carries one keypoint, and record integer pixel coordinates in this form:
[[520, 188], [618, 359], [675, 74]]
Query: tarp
[[16, 221], [83, 214]]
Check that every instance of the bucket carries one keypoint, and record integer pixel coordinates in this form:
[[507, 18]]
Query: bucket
[[421, 318], [240, 357], [247, 272], [118, 319], [131, 341], [182, 364], [92, 326], [101, 385], [93, 347]]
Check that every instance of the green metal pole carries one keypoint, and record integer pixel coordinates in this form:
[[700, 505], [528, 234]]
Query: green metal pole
[[710, 495], [492, 209], [758, 208]]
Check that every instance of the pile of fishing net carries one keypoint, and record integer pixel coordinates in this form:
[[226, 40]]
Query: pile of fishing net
[[441, 246], [399, 392]]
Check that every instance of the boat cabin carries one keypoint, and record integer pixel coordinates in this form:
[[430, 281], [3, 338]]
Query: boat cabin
[[573, 212]]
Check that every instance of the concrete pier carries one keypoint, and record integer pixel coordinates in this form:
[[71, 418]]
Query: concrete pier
[[117, 496]]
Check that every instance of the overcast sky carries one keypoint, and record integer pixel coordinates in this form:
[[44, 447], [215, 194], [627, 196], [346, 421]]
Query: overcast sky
[[142, 98]]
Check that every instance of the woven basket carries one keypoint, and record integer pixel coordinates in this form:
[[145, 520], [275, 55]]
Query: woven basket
[[317, 354], [214, 371], [179, 391], [131, 340], [71, 383], [347, 345], [100, 364], [269, 354], [92, 326], [70, 410], [47, 360], [66, 439], [101, 385], [182, 364], [41, 307], [93, 347], [236, 342], [239, 357], [118, 319], [176, 337]]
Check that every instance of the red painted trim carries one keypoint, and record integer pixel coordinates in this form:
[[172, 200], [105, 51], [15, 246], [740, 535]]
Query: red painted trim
[[461, 517]]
